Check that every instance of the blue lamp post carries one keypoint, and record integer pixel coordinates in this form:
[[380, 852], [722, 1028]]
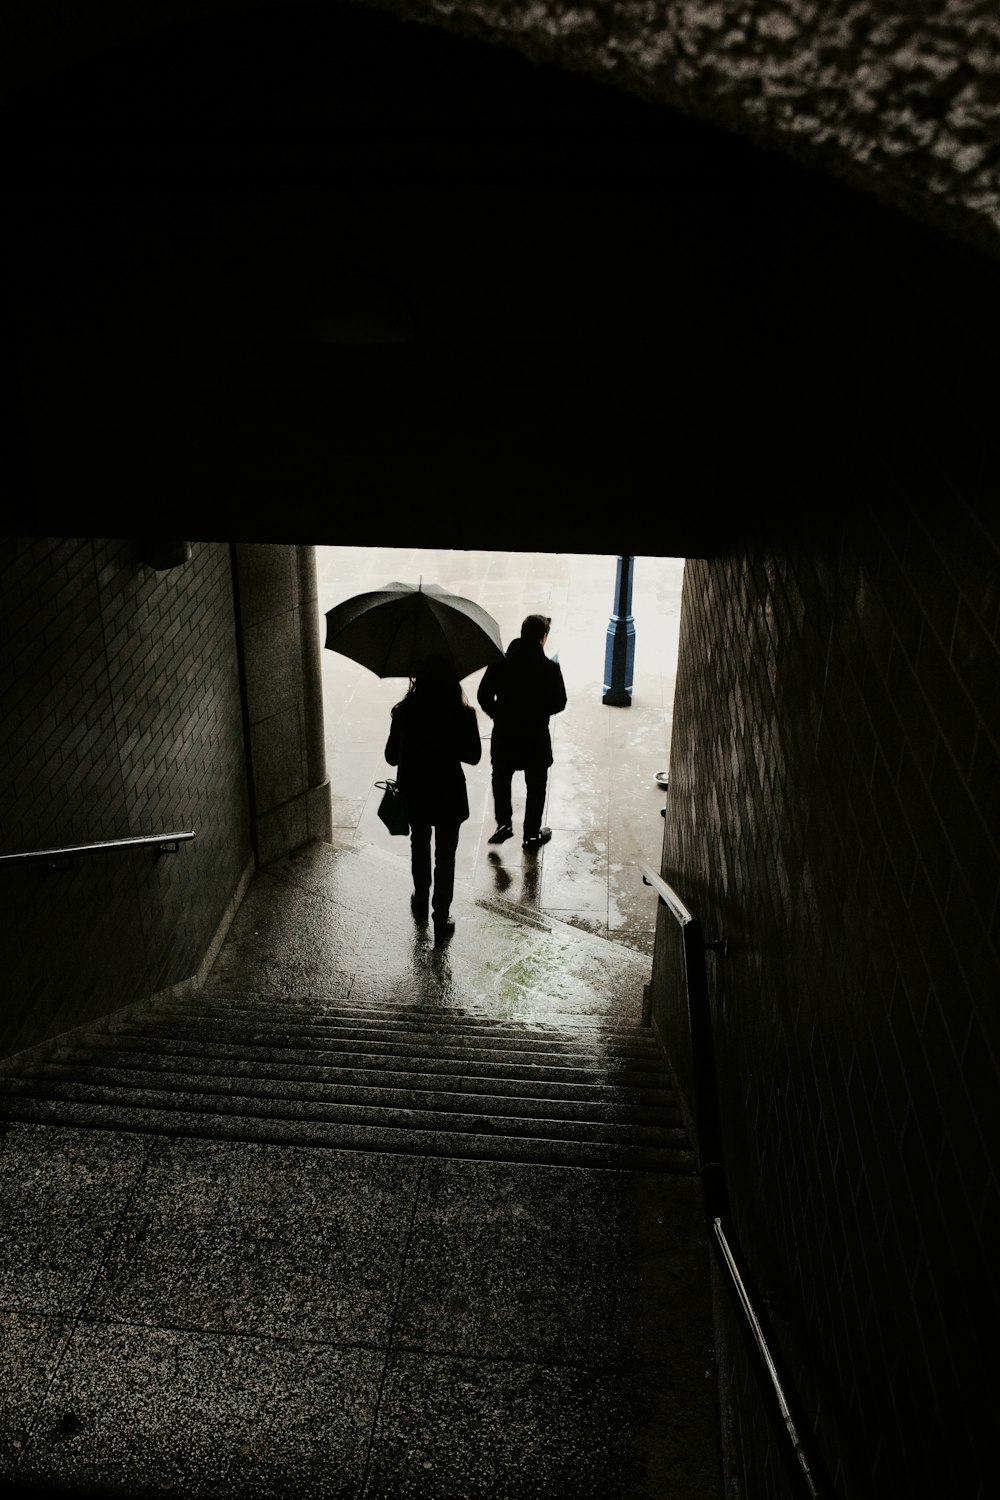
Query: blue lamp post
[[619, 656]]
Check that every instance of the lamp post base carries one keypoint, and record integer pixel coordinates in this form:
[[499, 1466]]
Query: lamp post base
[[619, 655], [618, 664]]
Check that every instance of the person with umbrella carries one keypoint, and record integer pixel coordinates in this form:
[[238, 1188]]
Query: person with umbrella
[[433, 732], [435, 638]]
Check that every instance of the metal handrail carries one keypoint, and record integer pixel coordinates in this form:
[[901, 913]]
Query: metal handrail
[[63, 857], [784, 1405], [710, 1164], [706, 1103], [667, 894]]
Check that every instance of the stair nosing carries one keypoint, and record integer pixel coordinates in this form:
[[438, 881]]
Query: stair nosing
[[180, 1046], [524, 1149], [153, 1061], [137, 1078], [243, 1034], [623, 1042], [62, 1092], [395, 1011]]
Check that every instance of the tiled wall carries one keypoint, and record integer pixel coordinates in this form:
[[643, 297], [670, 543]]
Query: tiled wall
[[121, 716], [834, 777]]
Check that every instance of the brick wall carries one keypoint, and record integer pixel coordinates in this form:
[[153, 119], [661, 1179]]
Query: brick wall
[[121, 716], [833, 810]]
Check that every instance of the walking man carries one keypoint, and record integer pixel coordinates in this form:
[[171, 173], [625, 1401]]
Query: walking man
[[520, 694]]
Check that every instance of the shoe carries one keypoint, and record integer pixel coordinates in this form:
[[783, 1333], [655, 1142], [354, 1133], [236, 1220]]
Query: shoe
[[532, 840], [419, 907], [503, 833], [443, 928]]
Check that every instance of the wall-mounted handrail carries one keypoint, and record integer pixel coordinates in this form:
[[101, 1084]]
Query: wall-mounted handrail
[[784, 1405], [164, 843], [667, 894], [710, 1164], [706, 1103]]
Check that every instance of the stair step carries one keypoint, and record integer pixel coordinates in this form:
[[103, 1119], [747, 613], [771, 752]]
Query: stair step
[[405, 1042], [432, 1017], [373, 1024], [453, 1061], [466, 1145], [337, 1112], [289, 1090], [270, 1066]]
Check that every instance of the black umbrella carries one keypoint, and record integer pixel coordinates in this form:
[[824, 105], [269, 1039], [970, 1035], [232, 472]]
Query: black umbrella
[[389, 630]]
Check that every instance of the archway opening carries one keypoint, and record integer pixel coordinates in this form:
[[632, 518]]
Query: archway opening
[[604, 801]]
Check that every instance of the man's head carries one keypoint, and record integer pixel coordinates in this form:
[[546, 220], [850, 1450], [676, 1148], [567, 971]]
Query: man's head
[[535, 628]]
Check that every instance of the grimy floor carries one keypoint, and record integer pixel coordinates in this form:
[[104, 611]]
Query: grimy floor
[[603, 800]]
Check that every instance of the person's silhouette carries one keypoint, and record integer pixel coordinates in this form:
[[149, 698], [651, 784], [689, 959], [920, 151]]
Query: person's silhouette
[[520, 694], [433, 731]]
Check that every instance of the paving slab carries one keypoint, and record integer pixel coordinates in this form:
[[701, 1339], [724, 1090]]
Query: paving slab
[[289, 928], [575, 874], [556, 1266], [578, 795], [233, 1236], [32, 1345], [473, 1429], [143, 1412], [64, 1192]]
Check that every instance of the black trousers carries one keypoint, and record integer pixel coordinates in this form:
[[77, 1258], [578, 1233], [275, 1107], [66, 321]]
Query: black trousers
[[445, 848], [536, 779]]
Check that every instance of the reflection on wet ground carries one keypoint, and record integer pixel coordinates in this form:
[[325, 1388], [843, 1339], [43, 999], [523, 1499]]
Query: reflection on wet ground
[[334, 922], [603, 800]]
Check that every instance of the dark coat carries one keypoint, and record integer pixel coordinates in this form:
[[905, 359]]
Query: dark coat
[[429, 753], [519, 694]]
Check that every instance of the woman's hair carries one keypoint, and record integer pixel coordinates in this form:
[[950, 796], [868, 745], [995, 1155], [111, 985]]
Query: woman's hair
[[435, 685]]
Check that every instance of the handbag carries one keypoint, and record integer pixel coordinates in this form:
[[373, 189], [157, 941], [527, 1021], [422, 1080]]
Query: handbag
[[392, 809]]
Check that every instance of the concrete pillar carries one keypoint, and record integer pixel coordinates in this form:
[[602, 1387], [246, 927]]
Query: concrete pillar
[[312, 677], [279, 626]]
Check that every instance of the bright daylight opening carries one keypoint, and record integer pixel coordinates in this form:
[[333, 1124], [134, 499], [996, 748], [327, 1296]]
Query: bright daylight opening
[[604, 799]]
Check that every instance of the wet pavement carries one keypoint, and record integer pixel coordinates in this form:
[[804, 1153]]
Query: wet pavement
[[334, 921], [603, 800]]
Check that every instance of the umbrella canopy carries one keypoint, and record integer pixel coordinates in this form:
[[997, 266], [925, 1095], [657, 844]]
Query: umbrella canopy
[[389, 630]]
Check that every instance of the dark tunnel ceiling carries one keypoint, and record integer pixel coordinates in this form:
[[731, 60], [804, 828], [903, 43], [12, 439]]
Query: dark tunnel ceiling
[[310, 273]]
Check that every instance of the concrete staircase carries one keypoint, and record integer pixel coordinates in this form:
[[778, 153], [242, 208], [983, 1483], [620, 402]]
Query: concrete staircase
[[319, 1227], [316, 1072]]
